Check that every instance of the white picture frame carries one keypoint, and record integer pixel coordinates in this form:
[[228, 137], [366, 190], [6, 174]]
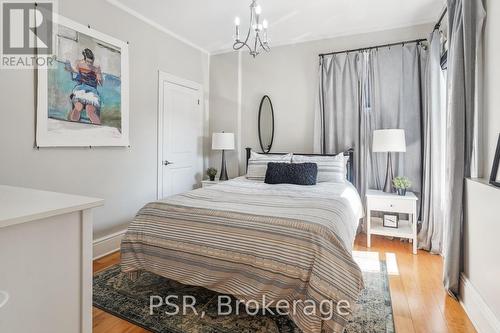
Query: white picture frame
[[391, 221], [90, 136]]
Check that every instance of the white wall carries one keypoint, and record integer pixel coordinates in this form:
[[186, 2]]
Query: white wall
[[492, 83], [288, 74], [124, 177], [480, 290]]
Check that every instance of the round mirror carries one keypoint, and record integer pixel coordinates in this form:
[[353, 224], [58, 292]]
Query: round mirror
[[266, 124]]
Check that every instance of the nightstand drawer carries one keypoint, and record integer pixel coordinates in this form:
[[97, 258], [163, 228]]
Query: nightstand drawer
[[391, 205], [390, 202]]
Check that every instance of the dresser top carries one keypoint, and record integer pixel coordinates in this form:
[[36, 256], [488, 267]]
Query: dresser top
[[19, 205], [216, 181], [381, 194]]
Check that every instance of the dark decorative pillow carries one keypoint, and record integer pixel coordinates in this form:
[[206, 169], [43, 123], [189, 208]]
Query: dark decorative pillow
[[291, 173]]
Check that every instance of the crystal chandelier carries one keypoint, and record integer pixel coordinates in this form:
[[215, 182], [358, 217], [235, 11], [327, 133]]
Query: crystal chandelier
[[257, 30]]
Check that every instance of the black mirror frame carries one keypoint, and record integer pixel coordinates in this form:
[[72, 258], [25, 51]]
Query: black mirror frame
[[272, 116], [496, 163]]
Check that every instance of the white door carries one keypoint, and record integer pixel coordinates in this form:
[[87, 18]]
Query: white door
[[180, 136]]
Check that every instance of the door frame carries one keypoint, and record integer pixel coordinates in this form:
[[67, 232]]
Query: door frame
[[162, 77]]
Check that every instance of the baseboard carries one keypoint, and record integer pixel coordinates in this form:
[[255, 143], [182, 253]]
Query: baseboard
[[476, 308], [107, 244]]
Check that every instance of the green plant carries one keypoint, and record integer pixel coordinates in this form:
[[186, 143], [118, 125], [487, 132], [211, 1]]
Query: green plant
[[211, 172], [401, 182]]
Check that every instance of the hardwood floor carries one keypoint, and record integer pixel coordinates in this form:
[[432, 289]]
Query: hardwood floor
[[420, 303]]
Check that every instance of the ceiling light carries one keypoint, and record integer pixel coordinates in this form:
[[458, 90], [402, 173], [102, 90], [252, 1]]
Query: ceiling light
[[257, 30]]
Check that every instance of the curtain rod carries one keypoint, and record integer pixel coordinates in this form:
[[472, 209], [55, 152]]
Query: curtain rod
[[375, 47], [438, 24]]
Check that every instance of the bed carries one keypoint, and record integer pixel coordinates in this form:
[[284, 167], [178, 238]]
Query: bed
[[257, 242]]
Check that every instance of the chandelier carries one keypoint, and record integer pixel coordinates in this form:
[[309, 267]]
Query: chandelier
[[257, 30]]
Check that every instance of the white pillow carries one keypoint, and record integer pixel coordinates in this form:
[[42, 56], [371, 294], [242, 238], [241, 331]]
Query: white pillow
[[330, 168], [257, 164]]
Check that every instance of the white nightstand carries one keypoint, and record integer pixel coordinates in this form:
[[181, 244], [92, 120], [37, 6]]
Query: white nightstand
[[392, 203], [208, 183]]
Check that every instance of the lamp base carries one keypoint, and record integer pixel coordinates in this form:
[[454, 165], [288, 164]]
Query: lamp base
[[388, 188], [223, 170]]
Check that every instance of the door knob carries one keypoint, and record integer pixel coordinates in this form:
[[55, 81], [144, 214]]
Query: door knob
[[167, 162]]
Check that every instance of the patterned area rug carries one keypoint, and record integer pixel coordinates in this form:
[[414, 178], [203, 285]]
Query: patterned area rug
[[116, 294]]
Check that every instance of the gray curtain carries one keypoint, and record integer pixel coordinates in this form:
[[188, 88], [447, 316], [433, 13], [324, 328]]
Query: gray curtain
[[363, 91], [430, 236], [465, 30], [397, 103], [337, 116], [367, 170]]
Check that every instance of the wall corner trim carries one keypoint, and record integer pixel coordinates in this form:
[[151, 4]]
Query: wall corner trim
[[479, 313], [158, 26], [108, 244]]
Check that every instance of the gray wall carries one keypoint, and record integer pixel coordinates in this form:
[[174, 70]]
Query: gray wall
[[224, 105], [124, 177], [288, 74]]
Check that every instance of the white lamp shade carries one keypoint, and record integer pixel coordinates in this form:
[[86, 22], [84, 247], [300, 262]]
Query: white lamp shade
[[389, 140], [223, 141]]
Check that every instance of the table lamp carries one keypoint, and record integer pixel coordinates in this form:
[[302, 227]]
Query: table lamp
[[389, 141], [223, 141]]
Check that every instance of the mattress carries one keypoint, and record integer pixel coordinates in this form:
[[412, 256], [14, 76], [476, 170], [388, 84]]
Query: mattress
[[260, 243]]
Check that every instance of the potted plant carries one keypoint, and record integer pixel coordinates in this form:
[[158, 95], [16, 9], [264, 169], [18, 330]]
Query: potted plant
[[401, 184], [211, 172]]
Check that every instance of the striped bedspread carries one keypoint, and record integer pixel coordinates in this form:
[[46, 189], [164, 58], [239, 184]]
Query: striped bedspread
[[250, 239]]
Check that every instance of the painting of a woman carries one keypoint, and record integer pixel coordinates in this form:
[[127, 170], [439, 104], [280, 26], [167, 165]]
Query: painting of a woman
[[85, 95]]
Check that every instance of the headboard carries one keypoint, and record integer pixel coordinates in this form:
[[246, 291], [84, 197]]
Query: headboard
[[350, 162]]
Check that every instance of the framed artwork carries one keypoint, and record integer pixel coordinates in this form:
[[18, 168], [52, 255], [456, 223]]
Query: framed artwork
[[495, 176], [82, 98]]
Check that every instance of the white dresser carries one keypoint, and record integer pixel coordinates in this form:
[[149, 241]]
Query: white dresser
[[45, 261]]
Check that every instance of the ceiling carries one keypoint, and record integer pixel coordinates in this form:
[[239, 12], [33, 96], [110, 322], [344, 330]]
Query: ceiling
[[208, 24]]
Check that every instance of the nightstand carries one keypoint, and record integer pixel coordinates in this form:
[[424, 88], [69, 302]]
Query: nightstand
[[208, 183], [392, 203]]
